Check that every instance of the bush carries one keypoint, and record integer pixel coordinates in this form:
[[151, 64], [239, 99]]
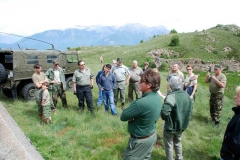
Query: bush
[[173, 31], [164, 66], [154, 36], [175, 41], [141, 41], [215, 51]]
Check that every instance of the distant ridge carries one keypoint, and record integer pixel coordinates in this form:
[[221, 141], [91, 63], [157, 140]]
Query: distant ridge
[[129, 34]]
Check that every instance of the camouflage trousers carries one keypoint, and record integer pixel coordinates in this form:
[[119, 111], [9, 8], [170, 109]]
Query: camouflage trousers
[[57, 91], [216, 103], [38, 98], [47, 110]]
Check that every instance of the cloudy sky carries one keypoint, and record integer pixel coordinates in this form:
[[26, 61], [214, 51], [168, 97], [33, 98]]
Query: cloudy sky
[[26, 17]]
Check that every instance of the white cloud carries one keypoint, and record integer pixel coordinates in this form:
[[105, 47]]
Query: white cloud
[[26, 17]]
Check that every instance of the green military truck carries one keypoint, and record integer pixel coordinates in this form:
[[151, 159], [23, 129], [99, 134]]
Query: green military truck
[[17, 68]]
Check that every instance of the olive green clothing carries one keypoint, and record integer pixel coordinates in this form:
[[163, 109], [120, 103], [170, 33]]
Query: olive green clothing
[[176, 111], [139, 149], [38, 77], [142, 115], [38, 91], [133, 87], [47, 110], [120, 72], [47, 104], [216, 103], [135, 74], [213, 87], [50, 75], [46, 97], [58, 91], [82, 78]]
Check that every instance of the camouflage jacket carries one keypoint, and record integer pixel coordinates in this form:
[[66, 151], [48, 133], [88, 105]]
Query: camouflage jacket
[[50, 75]]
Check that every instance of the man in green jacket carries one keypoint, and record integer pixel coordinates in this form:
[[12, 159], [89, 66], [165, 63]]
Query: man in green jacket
[[57, 78], [142, 115], [176, 113]]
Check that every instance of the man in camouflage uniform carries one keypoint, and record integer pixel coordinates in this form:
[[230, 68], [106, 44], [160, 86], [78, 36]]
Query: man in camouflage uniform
[[217, 84], [38, 79], [57, 78]]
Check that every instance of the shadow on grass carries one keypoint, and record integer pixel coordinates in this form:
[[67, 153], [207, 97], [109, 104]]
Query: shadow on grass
[[200, 118], [193, 154]]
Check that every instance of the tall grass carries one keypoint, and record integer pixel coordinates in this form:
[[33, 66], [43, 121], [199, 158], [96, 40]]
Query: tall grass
[[76, 135]]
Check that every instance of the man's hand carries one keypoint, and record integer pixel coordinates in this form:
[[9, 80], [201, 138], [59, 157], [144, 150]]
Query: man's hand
[[194, 77], [126, 82], [75, 93], [191, 97], [91, 86], [214, 78]]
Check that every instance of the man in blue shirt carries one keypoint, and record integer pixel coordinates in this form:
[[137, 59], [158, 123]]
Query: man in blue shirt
[[100, 97], [106, 83]]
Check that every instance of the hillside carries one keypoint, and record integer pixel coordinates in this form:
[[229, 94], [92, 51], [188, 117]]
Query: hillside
[[209, 45]]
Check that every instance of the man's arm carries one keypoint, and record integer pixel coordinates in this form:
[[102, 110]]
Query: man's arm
[[207, 79], [218, 82], [130, 112], [166, 110]]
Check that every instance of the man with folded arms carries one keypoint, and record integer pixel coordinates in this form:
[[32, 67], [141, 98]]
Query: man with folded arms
[[142, 115]]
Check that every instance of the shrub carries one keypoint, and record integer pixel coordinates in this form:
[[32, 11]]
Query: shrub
[[154, 36], [173, 31], [175, 41], [141, 41], [164, 66], [215, 52]]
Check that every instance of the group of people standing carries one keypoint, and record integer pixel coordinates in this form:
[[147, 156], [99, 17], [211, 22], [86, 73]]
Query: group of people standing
[[143, 113]]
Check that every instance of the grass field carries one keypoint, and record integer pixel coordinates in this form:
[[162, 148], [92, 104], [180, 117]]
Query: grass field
[[75, 135], [80, 136]]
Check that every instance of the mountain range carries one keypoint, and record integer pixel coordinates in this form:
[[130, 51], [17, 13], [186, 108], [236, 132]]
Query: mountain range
[[129, 34]]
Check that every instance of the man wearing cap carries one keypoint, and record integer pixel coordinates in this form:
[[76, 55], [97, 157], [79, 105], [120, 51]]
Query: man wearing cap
[[136, 73], [120, 71], [218, 82], [56, 76], [82, 86]]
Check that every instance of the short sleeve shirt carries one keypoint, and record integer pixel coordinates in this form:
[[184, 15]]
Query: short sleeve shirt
[[135, 74], [46, 96], [187, 80], [38, 77], [82, 78], [213, 87], [120, 72]]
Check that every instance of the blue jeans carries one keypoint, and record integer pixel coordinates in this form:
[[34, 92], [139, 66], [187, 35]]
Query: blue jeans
[[100, 98], [109, 100]]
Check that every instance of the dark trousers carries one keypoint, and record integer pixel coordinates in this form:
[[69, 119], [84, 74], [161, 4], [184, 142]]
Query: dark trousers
[[87, 93]]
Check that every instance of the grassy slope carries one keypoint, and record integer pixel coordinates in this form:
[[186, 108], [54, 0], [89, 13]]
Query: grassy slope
[[80, 136]]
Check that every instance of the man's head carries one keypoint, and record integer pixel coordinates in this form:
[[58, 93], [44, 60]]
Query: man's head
[[175, 82], [217, 69], [146, 64], [81, 65], [150, 81], [175, 68], [107, 68], [134, 64], [37, 68], [55, 64], [119, 61], [114, 62]]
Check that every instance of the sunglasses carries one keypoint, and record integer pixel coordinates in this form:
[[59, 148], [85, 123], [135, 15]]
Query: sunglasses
[[189, 69]]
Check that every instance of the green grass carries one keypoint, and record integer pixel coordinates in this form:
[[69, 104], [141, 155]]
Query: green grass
[[75, 135]]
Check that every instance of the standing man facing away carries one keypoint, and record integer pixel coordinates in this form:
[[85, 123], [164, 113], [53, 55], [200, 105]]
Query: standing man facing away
[[82, 85], [176, 113], [142, 115], [136, 73], [38, 79], [56, 76], [106, 83], [218, 82], [120, 71]]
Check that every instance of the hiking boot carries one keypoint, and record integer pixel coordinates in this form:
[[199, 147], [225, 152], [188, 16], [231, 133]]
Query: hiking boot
[[216, 124], [54, 111]]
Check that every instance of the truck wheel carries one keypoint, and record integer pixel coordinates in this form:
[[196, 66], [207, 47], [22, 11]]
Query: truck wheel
[[7, 93], [3, 75], [28, 92], [69, 83]]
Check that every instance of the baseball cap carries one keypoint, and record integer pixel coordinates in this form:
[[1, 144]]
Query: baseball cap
[[119, 59], [55, 62], [217, 66]]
